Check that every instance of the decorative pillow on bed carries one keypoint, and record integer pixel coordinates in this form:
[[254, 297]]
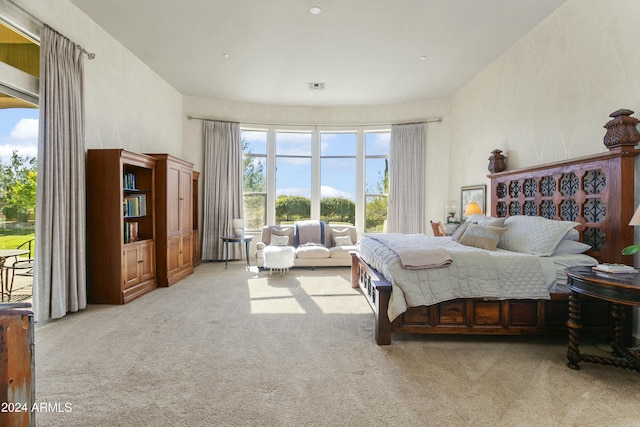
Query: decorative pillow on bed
[[571, 247], [534, 235], [342, 241], [482, 236], [460, 231], [279, 240]]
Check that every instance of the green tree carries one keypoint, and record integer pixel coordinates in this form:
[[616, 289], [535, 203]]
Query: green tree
[[19, 184], [253, 179], [337, 209], [254, 188], [376, 209], [292, 208]]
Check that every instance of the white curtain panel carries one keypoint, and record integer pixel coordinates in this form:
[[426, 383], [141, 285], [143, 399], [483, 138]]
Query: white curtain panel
[[60, 263], [406, 212], [222, 196]]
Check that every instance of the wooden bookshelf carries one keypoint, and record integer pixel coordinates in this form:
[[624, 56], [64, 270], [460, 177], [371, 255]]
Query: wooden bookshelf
[[121, 250]]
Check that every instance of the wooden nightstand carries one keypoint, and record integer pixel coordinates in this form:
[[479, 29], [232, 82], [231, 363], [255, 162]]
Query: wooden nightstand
[[622, 290]]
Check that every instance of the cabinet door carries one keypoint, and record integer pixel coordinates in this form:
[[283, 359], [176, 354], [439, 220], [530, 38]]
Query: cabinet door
[[130, 273], [148, 258], [173, 255], [174, 204], [186, 250], [186, 204]]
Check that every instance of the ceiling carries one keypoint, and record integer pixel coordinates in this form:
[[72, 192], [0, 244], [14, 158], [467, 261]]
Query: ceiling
[[363, 51]]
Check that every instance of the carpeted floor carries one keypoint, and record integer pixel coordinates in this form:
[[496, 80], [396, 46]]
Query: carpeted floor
[[242, 348]]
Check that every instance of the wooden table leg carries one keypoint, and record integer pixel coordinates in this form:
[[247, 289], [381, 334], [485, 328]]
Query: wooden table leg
[[574, 324]]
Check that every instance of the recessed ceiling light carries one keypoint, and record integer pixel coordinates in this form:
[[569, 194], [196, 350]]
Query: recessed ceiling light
[[315, 10], [316, 86], [423, 58], [225, 55]]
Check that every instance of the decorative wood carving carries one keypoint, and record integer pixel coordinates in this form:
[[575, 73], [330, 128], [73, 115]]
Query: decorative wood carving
[[621, 130], [497, 161]]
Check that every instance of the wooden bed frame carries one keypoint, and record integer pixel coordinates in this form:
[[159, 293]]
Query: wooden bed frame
[[596, 191]]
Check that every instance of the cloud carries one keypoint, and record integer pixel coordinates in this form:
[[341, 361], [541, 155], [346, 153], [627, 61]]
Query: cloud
[[25, 129], [23, 138], [327, 191]]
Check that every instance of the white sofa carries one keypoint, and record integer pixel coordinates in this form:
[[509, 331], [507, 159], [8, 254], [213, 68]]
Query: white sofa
[[321, 254]]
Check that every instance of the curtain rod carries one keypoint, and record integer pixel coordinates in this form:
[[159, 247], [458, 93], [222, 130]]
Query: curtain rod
[[90, 55], [206, 119]]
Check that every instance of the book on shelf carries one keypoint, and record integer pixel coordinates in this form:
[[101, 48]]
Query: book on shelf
[[615, 268], [129, 181], [135, 205], [130, 232]]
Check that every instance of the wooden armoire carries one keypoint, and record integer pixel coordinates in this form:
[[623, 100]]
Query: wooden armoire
[[174, 218]]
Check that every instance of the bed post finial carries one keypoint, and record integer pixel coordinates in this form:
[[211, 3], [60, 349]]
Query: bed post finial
[[621, 130], [496, 161]]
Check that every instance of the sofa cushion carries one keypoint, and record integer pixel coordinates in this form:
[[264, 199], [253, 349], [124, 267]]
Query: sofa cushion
[[342, 251], [312, 251], [342, 241]]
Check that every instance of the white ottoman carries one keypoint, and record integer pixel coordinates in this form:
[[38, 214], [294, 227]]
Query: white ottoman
[[278, 258]]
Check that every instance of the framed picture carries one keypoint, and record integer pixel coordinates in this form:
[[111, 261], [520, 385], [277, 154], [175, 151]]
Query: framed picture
[[473, 194]]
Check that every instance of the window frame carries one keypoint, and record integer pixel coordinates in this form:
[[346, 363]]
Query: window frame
[[316, 157]]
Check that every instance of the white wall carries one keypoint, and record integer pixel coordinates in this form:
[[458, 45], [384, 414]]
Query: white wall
[[548, 97], [127, 104], [437, 133]]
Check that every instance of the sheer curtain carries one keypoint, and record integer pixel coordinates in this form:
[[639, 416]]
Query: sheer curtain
[[60, 269], [406, 212], [222, 196]]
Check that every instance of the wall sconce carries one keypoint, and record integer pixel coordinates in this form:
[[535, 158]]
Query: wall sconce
[[238, 227], [472, 208]]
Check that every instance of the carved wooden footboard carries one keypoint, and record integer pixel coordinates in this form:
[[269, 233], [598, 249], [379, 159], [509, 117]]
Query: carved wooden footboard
[[473, 316], [595, 191]]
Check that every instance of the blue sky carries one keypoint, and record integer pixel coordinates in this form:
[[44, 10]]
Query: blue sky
[[337, 175], [18, 130]]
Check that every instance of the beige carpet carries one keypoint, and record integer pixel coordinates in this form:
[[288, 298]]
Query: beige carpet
[[242, 348]]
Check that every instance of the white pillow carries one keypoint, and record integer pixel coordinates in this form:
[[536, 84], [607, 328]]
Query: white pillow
[[279, 240], [572, 234], [534, 234], [342, 241], [486, 220], [571, 247]]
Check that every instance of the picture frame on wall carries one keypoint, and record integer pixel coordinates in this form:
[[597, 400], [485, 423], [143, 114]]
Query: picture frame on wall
[[473, 200]]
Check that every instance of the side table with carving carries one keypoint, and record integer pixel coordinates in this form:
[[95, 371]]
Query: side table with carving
[[620, 289]]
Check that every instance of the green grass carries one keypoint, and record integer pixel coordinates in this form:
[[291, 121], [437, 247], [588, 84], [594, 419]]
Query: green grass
[[13, 240]]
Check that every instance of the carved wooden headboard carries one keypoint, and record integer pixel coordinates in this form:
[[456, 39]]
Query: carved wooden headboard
[[596, 191]]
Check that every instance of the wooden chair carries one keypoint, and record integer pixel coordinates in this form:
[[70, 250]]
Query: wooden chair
[[438, 229]]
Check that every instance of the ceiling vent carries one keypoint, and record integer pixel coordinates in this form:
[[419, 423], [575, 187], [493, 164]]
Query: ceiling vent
[[316, 86]]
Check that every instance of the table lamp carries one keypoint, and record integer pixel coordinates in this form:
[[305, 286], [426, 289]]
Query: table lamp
[[238, 227], [635, 220], [472, 208]]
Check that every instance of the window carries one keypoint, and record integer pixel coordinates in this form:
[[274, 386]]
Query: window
[[338, 176], [20, 64], [254, 180], [293, 176], [377, 180]]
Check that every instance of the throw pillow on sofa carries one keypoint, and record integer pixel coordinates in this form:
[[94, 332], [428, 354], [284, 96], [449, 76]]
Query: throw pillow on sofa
[[279, 240]]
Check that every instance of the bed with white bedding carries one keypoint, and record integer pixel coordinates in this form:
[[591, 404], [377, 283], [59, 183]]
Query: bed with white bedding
[[473, 272], [571, 204]]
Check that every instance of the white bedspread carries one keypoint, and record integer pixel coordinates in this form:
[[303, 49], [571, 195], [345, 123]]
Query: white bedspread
[[473, 273]]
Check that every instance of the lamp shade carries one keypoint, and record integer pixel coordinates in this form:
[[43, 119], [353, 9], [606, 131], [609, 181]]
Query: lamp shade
[[472, 208], [238, 227], [635, 220]]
